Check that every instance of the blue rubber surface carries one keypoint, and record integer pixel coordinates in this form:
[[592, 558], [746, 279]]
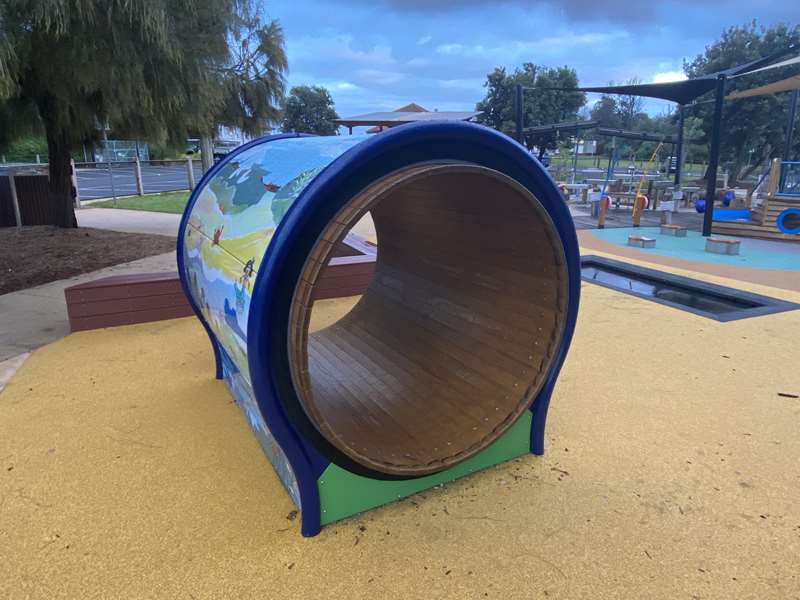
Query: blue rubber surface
[[753, 254]]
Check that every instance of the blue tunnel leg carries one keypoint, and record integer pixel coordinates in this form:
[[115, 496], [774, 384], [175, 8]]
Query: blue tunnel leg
[[539, 411], [217, 357], [309, 527]]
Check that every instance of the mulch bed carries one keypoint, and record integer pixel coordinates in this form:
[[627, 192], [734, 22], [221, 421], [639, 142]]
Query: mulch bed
[[35, 255]]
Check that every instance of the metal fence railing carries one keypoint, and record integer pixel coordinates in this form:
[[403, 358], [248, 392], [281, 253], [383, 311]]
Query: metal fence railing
[[99, 180]]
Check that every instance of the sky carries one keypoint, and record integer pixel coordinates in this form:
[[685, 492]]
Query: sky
[[377, 55]]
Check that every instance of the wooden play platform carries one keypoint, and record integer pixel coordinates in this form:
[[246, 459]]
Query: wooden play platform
[[763, 220]]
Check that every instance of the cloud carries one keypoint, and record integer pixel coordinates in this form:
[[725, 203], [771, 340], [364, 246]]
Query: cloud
[[418, 61], [382, 54], [514, 50], [461, 84], [668, 76], [343, 86], [617, 11], [381, 77], [340, 47]]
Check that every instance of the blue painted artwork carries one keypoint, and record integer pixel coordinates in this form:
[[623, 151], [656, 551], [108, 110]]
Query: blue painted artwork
[[227, 236]]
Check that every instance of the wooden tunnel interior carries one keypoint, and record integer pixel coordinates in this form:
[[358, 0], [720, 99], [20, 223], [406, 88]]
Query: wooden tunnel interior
[[456, 332]]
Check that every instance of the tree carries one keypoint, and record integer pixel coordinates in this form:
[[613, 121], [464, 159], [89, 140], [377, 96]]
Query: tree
[[309, 109], [552, 99], [156, 69], [630, 107], [752, 126], [251, 82], [606, 113]]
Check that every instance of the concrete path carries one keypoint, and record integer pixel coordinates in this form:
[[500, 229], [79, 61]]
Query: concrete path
[[132, 221], [37, 316]]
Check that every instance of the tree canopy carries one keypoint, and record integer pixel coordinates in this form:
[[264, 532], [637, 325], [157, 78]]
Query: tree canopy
[[309, 109], [541, 105], [754, 129], [154, 69]]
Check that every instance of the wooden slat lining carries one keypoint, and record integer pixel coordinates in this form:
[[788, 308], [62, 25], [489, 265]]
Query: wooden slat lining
[[455, 332], [385, 352], [484, 285], [395, 411], [491, 327]]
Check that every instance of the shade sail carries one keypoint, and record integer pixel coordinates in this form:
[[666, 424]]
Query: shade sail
[[685, 91], [784, 85]]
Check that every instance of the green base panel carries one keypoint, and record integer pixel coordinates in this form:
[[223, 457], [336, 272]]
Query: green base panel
[[343, 494]]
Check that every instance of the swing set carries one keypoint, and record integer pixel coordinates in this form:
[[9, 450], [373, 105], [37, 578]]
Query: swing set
[[640, 201]]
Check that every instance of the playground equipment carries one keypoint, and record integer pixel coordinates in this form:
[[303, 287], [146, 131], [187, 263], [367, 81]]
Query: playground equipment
[[777, 216], [727, 198], [640, 201], [722, 246], [446, 363], [605, 199], [640, 241], [673, 230]]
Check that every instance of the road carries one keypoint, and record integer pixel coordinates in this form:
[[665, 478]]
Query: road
[[96, 182]]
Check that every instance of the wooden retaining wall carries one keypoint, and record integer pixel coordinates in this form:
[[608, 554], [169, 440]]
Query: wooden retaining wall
[[130, 299]]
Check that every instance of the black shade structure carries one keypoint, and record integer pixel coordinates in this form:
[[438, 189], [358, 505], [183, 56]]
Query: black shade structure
[[563, 126], [575, 126], [684, 92]]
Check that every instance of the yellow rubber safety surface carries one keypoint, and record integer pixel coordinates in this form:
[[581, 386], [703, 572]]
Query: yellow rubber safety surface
[[672, 471]]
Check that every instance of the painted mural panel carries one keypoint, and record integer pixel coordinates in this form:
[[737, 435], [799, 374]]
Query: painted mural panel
[[233, 220], [227, 235], [245, 399]]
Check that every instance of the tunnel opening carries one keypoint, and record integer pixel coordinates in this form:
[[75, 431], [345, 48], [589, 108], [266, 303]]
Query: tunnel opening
[[456, 332]]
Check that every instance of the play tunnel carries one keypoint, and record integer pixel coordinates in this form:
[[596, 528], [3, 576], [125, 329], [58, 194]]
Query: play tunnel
[[445, 362]]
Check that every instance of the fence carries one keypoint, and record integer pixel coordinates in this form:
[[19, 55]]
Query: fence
[[96, 180], [120, 150], [24, 197]]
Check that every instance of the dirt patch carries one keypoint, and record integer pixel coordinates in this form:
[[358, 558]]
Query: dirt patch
[[35, 255]]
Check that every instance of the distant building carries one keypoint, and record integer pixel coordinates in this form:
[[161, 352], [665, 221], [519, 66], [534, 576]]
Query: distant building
[[410, 113], [413, 107]]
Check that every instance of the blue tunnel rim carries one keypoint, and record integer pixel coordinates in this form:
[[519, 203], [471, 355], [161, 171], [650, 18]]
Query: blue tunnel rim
[[334, 186], [782, 215]]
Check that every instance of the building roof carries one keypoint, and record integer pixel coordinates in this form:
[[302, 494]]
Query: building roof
[[413, 107], [390, 119]]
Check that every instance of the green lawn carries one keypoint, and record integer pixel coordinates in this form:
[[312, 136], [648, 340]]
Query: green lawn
[[584, 162], [168, 202]]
